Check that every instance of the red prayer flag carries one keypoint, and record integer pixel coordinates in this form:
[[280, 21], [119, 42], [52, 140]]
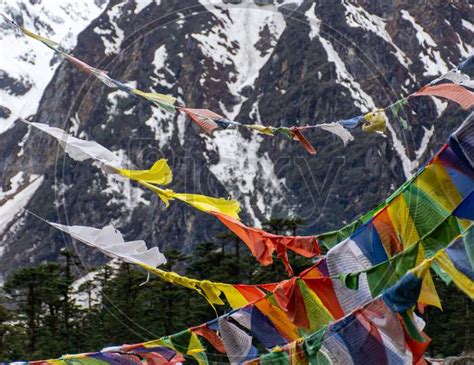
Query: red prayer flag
[[204, 118], [298, 135], [290, 299], [211, 336], [324, 290], [453, 92], [262, 244]]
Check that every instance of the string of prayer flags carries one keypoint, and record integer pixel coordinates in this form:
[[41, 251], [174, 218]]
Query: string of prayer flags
[[81, 150], [165, 102], [343, 261], [383, 245], [439, 190], [209, 121], [159, 173], [110, 241], [307, 303], [372, 332]]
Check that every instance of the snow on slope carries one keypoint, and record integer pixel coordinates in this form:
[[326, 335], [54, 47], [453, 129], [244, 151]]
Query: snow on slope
[[246, 173], [142, 4], [112, 35], [357, 16], [434, 64], [14, 200], [313, 21], [29, 65], [227, 44], [361, 99], [234, 40]]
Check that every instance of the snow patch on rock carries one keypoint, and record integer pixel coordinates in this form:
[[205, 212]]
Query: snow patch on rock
[[468, 25], [314, 22], [29, 60], [112, 36], [361, 99], [434, 64], [12, 205], [234, 40], [248, 175], [159, 61], [428, 133], [142, 4], [358, 17]]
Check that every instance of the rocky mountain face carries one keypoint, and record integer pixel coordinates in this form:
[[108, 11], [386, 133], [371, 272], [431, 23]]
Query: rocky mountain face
[[277, 62]]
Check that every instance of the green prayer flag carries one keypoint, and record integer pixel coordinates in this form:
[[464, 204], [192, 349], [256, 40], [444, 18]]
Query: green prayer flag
[[411, 327], [406, 260], [312, 344], [275, 357], [380, 277], [181, 340], [350, 280], [441, 273], [424, 211], [395, 110], [318, 315], [440, 237]]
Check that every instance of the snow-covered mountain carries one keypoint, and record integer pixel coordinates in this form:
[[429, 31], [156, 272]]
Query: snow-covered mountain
[[276, 62]]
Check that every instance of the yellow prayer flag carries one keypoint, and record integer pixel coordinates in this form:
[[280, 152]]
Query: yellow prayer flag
[[208, 204], [463, 282], [211, 292], [435, 181], [402, 221], [233, 296], [261, 128], [428, 294], [160, 173], [204, 203], [196, 350], [155, 97], [375, 121], [48, 42]]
